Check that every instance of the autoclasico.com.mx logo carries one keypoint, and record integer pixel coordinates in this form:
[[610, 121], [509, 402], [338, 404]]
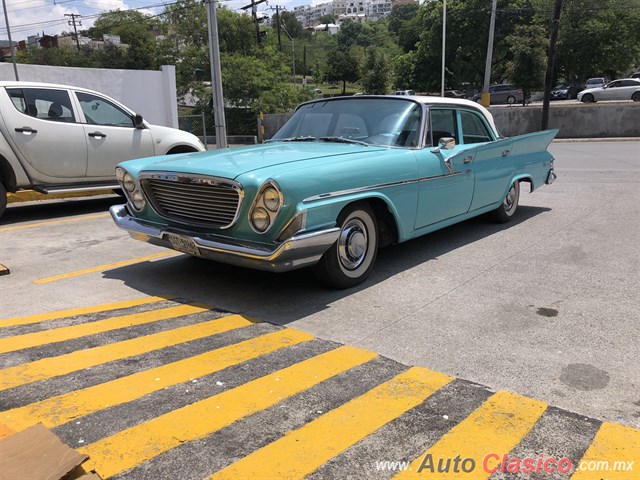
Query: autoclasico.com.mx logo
[[504, 463]]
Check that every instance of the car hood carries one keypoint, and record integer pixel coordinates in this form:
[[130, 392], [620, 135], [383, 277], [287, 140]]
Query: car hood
[[230, 163]]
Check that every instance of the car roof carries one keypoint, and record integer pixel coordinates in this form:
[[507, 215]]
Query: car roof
[[17, 84]]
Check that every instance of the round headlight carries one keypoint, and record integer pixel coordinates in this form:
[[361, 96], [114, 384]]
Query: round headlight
[[271, 199], [260, 219], [128, 182], [138, 200]]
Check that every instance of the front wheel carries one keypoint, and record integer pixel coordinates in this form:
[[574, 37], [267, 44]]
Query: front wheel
[[350, 259], [588, 98], [504, 213]]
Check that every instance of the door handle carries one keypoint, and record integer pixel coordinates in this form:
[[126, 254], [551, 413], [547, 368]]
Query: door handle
[[97, 134], [468, 159], [27, 130], [506, 153]]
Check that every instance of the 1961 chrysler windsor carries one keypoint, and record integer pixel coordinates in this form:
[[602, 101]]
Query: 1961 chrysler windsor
[[342, 177]]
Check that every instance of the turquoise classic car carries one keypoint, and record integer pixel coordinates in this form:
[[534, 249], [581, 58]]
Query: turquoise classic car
[[342, 178]]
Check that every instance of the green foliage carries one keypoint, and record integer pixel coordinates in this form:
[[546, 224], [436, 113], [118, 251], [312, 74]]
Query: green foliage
[[528, 48], [342, 66], [375, 72]]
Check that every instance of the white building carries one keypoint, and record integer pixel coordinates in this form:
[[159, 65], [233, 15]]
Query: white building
[[356, 10]]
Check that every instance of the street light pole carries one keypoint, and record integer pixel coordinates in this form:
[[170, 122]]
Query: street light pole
[[216, 76], [13, 51], [444, 42], [485, 100]]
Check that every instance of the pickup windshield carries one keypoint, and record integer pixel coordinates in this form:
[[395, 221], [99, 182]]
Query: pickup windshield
[[372, 121]]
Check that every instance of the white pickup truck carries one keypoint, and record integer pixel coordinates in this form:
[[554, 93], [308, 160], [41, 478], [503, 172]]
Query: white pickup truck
[[58, 138]]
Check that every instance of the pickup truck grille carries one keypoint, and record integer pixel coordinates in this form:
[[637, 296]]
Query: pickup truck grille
[[196, 200]]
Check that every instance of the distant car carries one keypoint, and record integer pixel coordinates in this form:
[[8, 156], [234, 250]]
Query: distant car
[[404, 92], [635, 75], [56, 138], [621, 89], [341, 178], [502, 93], [595, 82], [566, 91], [455, 94]]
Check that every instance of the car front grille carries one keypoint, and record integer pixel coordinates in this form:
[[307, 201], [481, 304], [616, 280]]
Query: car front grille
[[193, 199]]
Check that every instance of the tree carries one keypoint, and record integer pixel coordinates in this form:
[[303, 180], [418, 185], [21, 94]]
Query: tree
[[400, 14], [327, 19], [342, 66], [375, 72], [527, 66]]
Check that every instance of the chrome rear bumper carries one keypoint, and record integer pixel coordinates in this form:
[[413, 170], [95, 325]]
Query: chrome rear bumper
[[296, 252]]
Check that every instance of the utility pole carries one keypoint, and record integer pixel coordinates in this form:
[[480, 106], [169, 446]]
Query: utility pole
[[254, 13], [444, 43], [13, 51], [486, 99], [73, 22], [278, 27], [304, 66], [551, 64], [216, 76]]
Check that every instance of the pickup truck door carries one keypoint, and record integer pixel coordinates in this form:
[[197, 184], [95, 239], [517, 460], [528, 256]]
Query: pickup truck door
[[46, 132], [111, 136]]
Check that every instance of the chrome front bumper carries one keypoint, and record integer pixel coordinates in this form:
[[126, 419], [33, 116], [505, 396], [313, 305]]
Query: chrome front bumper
[[551, 177], [296, 252]]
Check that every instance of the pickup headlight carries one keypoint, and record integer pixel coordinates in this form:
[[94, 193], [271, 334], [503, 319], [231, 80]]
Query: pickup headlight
[[131, 189], [266, 207]]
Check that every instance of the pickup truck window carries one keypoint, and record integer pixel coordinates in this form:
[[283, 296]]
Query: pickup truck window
[[43, 103], [98, 111]]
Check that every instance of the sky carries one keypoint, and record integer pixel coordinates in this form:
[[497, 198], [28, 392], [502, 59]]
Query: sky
[[32, 17]]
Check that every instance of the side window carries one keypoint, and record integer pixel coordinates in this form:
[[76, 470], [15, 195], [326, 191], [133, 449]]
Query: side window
[[98, 111], [473, 128], [43, 103], [443, 124]]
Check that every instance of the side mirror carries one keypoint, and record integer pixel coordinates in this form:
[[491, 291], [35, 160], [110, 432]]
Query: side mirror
[[138, 121], [447, 143]]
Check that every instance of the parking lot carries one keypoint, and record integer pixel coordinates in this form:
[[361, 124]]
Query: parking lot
[[543, 311]]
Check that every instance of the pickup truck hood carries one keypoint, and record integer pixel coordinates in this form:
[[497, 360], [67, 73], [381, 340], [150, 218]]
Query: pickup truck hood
[[230, 163]]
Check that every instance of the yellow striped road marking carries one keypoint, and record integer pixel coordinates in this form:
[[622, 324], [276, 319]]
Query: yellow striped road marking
[[42, 317], [495, 427], [616, 449], [302, 451], [131, 447], [53, 222], [60, 409], [107, 266], [36, 339], [82, 359]]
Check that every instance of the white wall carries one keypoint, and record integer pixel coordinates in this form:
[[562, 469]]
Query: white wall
[[150, 93]]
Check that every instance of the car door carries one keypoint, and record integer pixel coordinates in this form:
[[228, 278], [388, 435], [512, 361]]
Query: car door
[[111, 135], [44, 128], [445, 176], [612, 91]]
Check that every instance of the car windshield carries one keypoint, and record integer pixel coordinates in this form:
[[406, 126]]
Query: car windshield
[[371, 121]]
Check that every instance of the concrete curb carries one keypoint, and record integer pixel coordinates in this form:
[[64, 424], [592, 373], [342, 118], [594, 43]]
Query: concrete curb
[[32, 195]]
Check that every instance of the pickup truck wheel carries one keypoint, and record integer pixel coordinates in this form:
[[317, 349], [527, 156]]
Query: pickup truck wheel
[[350, 259], [504, 213], [3, 199]]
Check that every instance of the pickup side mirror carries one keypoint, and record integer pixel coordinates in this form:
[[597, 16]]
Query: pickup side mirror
[[138, 121]]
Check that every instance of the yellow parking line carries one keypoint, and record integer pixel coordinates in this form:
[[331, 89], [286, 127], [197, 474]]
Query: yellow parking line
[[107, 266], [304, 450], [615, 450], [37, 339], [54, 222], [494, 428], [81, 359], [131, 447], [60, 409], [42, 317]]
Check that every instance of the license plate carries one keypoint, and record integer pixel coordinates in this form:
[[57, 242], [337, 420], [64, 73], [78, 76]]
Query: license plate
[[184, 244]]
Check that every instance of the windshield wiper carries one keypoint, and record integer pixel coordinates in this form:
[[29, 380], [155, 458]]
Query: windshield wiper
[[343, 140], [292, 139]]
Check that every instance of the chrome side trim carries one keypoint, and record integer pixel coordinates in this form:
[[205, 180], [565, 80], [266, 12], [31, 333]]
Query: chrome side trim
[[350, 191], [436, 177]]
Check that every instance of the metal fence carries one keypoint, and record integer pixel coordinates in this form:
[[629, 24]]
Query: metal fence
[[194, 124]]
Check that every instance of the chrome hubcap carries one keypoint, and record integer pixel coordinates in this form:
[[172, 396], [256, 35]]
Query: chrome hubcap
[[352, 244], [510, 199]]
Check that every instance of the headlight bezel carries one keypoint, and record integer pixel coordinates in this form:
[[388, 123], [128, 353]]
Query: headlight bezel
[[262, 205], [134, 195]]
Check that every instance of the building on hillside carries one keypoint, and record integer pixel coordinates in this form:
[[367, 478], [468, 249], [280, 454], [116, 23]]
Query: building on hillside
[[355, 10]]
